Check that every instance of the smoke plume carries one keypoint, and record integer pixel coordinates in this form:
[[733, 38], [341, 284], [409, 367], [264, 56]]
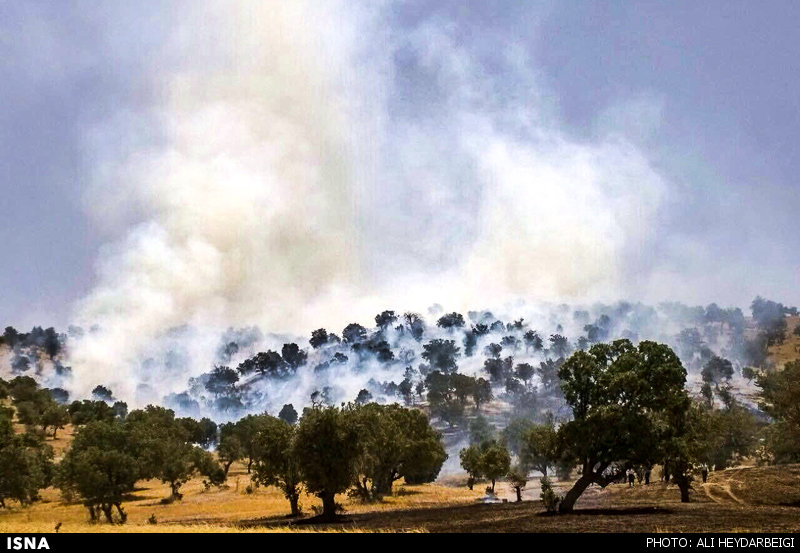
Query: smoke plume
[[296, 164]]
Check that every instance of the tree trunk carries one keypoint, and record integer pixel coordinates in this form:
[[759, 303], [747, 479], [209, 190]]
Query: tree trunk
[[383, 486], [176, 495], [568, 503], [328, 506], [683, 484], [107, 512], [123, 516], [492, 485], [471, 483], [293, 501], [519, 494], [227, 467], [92, 513]]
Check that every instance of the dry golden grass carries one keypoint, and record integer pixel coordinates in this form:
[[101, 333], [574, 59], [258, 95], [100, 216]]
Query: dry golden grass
[[741, 499], [43, 528], [789, 350], [213, 510]]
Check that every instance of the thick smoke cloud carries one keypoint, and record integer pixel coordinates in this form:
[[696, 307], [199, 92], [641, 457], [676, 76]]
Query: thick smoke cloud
[[296, 165]]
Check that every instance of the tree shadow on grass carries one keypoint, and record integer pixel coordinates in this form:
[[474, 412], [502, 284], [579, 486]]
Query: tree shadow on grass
[[289, 520], [402, 492], [624, 511]]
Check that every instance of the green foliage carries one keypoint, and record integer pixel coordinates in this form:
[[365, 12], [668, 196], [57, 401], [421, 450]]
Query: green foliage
[[780, 446], [471, 462], [716, 370], [729, 434], [442, 355], [463, 387], [780, 398], [482, 393], [29, 400], [524, 371], [495, 462], [499, 369], [101, 467], [770, 317], [395, 442], [326, 448], [513, 434], [29, 413], [208, 467], [161, 443], [443, 397], [489, 460], [23, 388], [539, 447], [230, 448], [780, 392], [239, 440], [25, 463], [86, 411], [275, 464], [559, 345], [549, 498], [627, 403], [288, 413], [202, 432], [480, 431], [517, 478], [55, 416]]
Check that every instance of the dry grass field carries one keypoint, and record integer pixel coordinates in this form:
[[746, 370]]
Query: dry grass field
[[789, 350], [217, 509], [740, 499]]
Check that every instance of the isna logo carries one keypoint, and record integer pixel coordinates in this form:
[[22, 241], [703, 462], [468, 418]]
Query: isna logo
[[19, 543]]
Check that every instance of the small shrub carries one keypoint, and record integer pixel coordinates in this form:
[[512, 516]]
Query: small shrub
[[550, 499]]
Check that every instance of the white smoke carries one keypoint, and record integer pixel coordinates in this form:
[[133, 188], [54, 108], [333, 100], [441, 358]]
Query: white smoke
[[269, 178]]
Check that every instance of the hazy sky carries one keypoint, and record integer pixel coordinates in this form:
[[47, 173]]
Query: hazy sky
[[704, 98]]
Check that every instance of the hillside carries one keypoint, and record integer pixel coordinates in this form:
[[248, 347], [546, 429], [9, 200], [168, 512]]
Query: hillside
[[741, 498], [738, 499], [789, 350]]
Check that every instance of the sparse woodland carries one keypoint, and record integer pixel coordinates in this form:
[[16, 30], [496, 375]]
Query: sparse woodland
[[501, 399]]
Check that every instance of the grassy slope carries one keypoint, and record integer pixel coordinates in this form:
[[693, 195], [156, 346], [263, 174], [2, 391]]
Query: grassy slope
[[790, 349], [738, 499], [742, 498], [217, 509]]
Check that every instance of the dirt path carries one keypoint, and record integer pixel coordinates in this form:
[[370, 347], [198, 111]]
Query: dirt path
[[718, 488]]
